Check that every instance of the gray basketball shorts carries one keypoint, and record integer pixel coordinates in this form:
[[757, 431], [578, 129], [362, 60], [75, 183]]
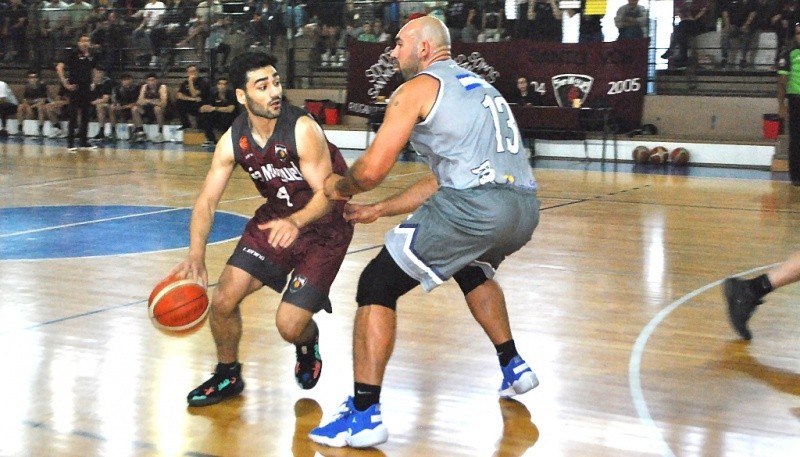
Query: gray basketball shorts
[[457, 228]]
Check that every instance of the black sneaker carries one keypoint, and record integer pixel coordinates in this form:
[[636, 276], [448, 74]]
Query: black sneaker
[[309, 365], [741, 305], [223, 384]]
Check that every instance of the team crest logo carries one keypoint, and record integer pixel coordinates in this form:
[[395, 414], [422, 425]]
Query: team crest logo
[[244, 145], [281, 153], [569, 87], [297, 283]]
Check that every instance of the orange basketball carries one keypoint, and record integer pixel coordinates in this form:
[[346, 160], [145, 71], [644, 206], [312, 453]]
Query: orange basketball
[[679, 156], [659, 155], [177, 304], [641, 154]]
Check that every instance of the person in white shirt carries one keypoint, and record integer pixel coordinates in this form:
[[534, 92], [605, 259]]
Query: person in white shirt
[[8, 106], [151, 16]]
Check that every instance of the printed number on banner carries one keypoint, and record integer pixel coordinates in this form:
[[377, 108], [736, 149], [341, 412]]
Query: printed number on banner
[[626, 85]]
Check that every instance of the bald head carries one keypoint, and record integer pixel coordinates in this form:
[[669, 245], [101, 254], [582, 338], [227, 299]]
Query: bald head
[[419, 43]]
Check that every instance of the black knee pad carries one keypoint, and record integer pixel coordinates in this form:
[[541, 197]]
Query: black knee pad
[[470, 277], [382, 282]]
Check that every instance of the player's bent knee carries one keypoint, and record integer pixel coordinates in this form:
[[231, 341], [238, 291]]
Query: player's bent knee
[[469, 278], [382, 282]]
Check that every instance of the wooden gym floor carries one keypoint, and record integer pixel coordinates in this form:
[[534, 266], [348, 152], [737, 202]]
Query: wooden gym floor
[[615, 303]]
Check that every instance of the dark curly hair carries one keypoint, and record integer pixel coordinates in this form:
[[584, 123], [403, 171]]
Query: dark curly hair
[[247, 62]]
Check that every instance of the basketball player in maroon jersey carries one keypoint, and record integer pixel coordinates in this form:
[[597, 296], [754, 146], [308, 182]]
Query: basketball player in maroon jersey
[[297, 236]]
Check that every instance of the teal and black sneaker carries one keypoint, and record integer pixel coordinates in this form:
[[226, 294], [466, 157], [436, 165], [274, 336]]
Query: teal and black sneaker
[[225, 383], [309, 364]]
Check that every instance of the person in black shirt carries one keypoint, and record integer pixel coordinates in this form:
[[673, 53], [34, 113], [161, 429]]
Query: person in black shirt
[[34, 99], [218, 112], [75, 74], [123, 102], [100, 96], [524, 95], [190, 96]]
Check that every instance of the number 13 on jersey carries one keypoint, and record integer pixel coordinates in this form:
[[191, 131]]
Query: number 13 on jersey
[[505, 126]]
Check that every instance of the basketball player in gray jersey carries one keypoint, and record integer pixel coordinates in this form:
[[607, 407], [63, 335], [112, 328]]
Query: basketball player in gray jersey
[[477, 207]]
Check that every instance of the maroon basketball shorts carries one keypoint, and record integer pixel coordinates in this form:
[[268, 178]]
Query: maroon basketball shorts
[[309, 265]]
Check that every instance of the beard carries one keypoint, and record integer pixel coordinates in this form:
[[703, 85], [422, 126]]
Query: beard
[[261, 111]]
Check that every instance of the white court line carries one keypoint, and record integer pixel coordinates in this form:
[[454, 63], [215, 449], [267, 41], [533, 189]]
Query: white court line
[[634, 366]]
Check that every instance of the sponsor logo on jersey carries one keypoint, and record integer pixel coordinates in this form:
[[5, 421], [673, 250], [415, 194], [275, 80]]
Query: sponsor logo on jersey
[[268, 172], [569, 86], [281, 152], [244, 145], [297, 283]]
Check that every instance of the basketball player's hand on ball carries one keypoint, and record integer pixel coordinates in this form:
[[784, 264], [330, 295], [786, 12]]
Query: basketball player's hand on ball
[[282, 232], [191, 269], [361, 214]]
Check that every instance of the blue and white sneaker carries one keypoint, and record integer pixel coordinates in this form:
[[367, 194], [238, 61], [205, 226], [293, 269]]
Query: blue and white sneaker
[[518, 378], [353, 428]]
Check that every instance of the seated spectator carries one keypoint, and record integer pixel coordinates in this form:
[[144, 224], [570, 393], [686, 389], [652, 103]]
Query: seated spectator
[[57, 111], [380, 31], [190, 96], [524, 95], [100, 99], [8, 106], [150, 106], [737, 24], [768, 17], [631, 20], [34, 101], [545, 21], [218, 111], [295, 17], [123, 103], [172, 26], [455, 17], [150, 16], [367, 34], [17, 21], [694, 19], [215, 43]]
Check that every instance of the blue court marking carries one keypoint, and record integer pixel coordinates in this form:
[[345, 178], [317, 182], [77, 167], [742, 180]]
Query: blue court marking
[[50, 232]]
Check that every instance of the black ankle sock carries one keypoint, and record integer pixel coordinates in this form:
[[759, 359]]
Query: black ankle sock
[[506, 351], [366, 395], [760, 285], [225, 368]]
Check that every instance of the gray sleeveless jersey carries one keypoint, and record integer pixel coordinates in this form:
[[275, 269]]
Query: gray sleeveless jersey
[[470, 137]]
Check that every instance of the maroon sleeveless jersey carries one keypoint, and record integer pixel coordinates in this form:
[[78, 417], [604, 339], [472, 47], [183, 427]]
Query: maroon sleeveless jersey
[[275, 168]]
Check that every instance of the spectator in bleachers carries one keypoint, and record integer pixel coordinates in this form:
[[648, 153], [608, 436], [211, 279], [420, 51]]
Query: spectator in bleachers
[[591, 27], [472, 28], [295, 17], [33, 103], [8, 106], [492, 21], [151, 106], [198, 31], [150, 15], [695, 17], [455, 17], [100, 96], [13, 27], [123, 103], [545, 21], [789, 15], [57, 111], [218, 111], [631, 20], [768, 16], [172, 26], [380, 31], [55, 24], [109, 38], [215, 43], [523, 95], [737, 24], [194, 90], [367, 35], [79, 12]]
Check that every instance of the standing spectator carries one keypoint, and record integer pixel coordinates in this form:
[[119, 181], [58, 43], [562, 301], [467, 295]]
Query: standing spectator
[[631, 20], [190, 96], [218, 111], [737, 21], [591, 27], [34, 100], [79, 13], [472, 28], [123, 103], [789, 16], [545, 21], [789, 91], [695, 17], [100, 95], [16, 20], [768, 17], [75, 73], [8, 106], [150, 106]]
